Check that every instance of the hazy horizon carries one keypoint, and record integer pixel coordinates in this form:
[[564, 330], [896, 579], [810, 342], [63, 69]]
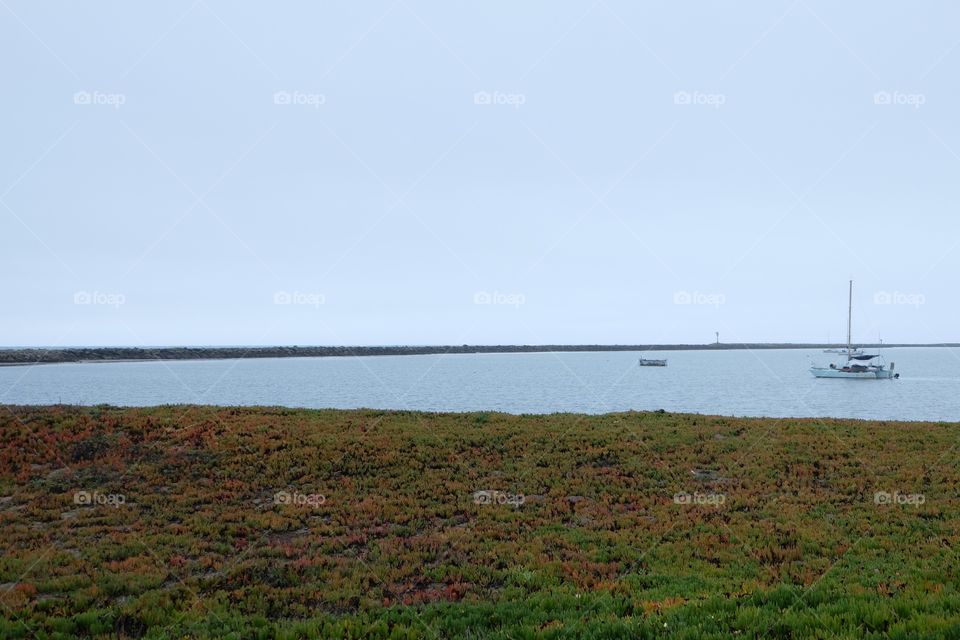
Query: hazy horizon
[[414, 173], [474, 344]]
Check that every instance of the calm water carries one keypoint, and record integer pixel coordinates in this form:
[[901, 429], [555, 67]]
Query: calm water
[[744, 383]]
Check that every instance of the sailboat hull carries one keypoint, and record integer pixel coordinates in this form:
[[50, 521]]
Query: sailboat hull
[[826, 372]]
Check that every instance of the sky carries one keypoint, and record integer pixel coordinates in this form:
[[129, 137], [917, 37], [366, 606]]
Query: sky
[[403, 172]]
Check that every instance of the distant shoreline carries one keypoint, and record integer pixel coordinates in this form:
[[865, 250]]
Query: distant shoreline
[[24, 356]]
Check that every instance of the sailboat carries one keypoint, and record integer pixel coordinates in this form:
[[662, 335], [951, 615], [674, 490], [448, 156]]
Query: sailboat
[[859, 365]]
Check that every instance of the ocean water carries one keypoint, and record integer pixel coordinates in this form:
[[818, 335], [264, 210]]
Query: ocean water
[[773, 382]]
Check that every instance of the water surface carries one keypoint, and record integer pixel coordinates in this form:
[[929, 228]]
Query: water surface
[[773, 382]]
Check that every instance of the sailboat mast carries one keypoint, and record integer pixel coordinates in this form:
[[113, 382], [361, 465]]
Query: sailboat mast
[[849, 317]]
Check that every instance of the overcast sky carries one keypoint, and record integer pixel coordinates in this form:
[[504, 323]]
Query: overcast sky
[[498, 172]]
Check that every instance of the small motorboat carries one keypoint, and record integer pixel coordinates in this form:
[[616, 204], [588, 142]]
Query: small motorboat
[[857, 351], [649, 362]]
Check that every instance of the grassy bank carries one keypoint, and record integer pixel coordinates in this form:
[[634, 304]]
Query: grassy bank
[[208, 522]]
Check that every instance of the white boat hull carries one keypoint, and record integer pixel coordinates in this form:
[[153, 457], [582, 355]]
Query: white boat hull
[[826, 372]]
